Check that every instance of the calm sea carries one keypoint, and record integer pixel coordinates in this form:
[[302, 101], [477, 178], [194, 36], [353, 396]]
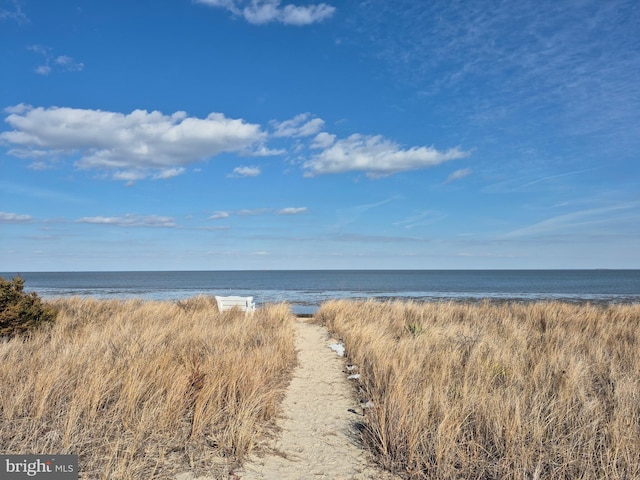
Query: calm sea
[[305, 290]]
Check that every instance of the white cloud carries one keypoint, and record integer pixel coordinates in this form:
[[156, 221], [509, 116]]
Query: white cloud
[[254, 211], [39, 166], [6, 217], [63, 63], [168, 173], [293, 15], [26, 153], [129, 176], [131, 220], [376, 156], [15, 13], [39, 49], [263, 151], [245, 171], [43, 70], [134, 145], [301, 125], [247, 212], [458, 174], [229, 4], [141, 144], [292, 210], [266, 11], [258, 12], [323, 140], [219, 215], [69, 64]]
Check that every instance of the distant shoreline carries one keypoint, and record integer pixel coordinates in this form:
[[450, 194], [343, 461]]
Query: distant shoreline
[[337, 270]]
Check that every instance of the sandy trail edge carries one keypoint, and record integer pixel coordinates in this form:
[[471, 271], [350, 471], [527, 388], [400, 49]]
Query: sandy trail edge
[[318, 438]]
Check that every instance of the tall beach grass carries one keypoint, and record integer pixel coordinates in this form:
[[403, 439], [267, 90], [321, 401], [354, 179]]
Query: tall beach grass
[[497, 391], [146, 389]]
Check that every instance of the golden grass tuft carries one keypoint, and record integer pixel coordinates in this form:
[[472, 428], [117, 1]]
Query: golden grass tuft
[[497, 391], [146, 389]]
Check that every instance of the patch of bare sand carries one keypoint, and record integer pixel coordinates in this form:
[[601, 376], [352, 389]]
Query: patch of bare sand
[[319, 437]]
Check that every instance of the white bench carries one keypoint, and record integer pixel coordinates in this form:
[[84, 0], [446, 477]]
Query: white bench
[[245, 304]]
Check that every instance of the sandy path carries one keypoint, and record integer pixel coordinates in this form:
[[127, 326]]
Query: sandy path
[[318, 438]]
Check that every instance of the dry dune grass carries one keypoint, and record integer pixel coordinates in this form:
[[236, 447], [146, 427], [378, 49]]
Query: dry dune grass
[[146, 389], [497, 391]]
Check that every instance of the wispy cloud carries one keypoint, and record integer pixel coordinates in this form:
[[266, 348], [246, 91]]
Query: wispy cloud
[[268, 11], [568, 68], [362, 238], [254, 211], [43, 194], [68, 64], [376, 156], [219, 216], [12, 10], [352, 214], [213, 229], [6, 217], [132, 220], [579, 221], [245, 171], [292, 210], [62, 63], [132, 146], [129, 176], [168, 173], [360, 209], [525, 179], [560, 175], [302, 125], [43, 70], [250, 212], [263, 151], [427, 217], [458, 174]]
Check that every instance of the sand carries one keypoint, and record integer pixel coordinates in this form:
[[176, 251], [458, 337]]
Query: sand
[[318, 437], [318, 433]]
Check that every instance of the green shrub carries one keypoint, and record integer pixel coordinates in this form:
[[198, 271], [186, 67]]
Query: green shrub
[[21, 312]]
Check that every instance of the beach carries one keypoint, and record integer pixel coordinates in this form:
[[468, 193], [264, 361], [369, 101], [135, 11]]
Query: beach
[[361, 390], [319, 436]]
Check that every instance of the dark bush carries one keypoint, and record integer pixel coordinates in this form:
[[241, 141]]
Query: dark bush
[[21, 312]]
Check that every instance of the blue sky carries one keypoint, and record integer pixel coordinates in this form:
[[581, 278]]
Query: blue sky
[[263, 134]]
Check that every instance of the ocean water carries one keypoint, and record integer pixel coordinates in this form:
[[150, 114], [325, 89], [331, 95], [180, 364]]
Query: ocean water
[[306, 289]]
